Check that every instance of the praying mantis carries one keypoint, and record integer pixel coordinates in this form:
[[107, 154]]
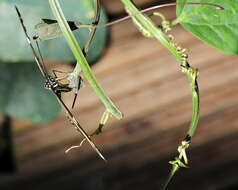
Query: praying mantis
[[53, 84], [48, 29]]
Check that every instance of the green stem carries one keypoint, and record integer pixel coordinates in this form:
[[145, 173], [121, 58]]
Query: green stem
[[82, 60], [156, 32], [174, 169], [149, 25], [97, 10], [192, 75]]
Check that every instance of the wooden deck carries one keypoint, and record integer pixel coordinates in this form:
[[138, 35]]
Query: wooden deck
[[145, 82]]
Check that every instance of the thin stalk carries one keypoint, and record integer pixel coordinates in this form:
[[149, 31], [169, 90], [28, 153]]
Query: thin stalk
[[192, 75], [196, 103], [171, 175], [97, 10], [147, 25], [82, 60], [150, 26]]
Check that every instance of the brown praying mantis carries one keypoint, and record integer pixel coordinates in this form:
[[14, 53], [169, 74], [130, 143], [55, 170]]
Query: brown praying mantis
[[54, 85], [49, 29]]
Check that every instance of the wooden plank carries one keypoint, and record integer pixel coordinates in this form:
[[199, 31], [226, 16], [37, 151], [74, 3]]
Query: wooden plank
[[122, 158]]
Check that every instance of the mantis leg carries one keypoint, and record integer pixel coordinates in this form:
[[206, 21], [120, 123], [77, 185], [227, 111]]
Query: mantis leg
[[62, 78], [97, 9]]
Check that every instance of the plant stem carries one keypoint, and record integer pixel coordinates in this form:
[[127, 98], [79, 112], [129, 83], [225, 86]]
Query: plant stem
[[174, 169], [192, 75], [150, 26], [147, 26], [156, 32], [82, 60]]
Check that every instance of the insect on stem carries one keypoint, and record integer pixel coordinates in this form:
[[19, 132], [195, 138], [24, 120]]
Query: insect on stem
[[56, 88]]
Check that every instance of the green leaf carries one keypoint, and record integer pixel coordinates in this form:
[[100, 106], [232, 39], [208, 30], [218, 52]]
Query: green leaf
[[219, 28], [13, 46], [23, 94]]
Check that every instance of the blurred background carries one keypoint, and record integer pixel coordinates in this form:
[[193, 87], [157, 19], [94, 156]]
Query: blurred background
[[144, 80]]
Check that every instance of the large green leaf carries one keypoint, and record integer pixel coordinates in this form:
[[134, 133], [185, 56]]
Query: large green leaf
[[219, 28], [13, 46], [23, 94]]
